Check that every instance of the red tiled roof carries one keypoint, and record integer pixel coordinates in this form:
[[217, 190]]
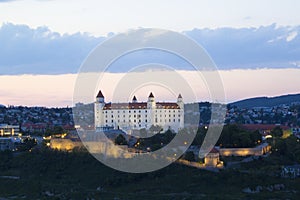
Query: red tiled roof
[[140, 105], [214, 150], [167, 105]]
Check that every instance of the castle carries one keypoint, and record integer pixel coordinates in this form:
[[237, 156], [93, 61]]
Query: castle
[[138, 115]]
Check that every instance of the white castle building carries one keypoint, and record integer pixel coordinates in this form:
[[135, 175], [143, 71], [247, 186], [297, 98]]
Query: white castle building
[[137, 115]]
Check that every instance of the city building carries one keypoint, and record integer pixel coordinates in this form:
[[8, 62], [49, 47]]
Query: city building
[[212, 159], [259, 150], [8, 130], [138, 115]]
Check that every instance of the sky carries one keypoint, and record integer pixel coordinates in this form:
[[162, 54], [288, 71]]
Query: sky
[[100, 17], [44, 42]]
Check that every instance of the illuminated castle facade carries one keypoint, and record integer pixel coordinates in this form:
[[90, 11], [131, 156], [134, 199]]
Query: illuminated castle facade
[[138, 115]]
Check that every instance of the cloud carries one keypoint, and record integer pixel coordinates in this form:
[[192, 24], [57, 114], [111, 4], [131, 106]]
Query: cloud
[[26, 50], [291, 36], [41, 51], [3, 1]]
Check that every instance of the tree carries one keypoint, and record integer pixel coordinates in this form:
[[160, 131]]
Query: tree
[[277, 132], [120, 140], [189, 156], [155, 128]]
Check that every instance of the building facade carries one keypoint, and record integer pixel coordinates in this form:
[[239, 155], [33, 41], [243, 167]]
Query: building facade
[[138, 115], [9, 130]]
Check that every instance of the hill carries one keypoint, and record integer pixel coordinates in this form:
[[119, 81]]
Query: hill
[[268, 101]]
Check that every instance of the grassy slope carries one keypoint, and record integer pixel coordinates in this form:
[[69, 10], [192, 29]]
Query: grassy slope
[[78, 175]]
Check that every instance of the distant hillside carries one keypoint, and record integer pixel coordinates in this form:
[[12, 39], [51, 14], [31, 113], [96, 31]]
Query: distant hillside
[[267, 102]]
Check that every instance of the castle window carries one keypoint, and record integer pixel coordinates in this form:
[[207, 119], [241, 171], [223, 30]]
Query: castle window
[[123, 111], [155, 120], [124, 120], [129, 115], [119, 116], [173, 120], [173, 110], [169, 115], [169, 120], [129, 111], [134, 121], [134, 116], [124, 116], [178, 120], [178, 115], [140, 110], [112, 121], [134, 111], [146, 120], [106, 121], [145, 111], [112, 116], [174, 115], [106, 111]]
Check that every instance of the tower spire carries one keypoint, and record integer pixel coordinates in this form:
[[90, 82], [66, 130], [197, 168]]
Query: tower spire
[[134, 99], [151, 95], [100, 95]]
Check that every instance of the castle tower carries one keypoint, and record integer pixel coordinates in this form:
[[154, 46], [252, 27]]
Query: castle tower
[[180, 103], [151, 101], [151, 105], [100, 97], [99, 104], [134, 99]]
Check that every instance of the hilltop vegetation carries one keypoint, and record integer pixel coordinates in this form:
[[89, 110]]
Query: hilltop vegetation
[[268, 101]]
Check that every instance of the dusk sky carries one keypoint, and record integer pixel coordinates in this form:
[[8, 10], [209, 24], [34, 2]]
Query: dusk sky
[[255, 44]]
